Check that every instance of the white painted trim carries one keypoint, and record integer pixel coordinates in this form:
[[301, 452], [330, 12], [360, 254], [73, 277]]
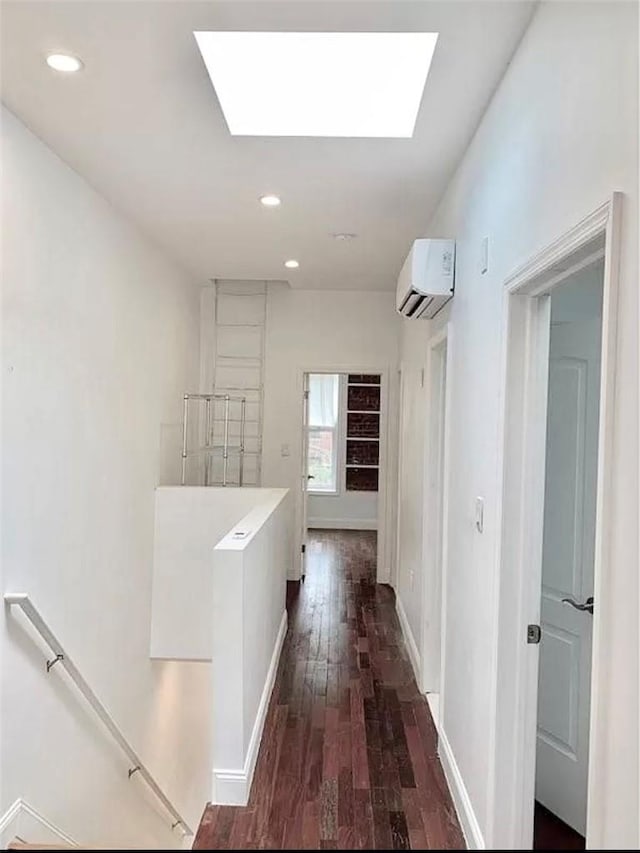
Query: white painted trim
[[597, 781], [407, 633], [9, 824], [446, 475], [342, 524], [23, 821], [548, 257], [232, 787], [459, 794], [395, 580], [433, 701], [525, 368], [31, 820], [384, 474], [430, 571], [263, 707]]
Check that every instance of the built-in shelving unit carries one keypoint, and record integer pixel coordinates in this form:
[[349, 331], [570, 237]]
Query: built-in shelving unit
[[363, 432]]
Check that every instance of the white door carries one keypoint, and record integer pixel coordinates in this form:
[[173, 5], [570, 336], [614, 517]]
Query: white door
[[304, 478], [568, 555]]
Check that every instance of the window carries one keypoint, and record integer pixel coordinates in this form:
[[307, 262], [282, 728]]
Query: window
[[322, 457]]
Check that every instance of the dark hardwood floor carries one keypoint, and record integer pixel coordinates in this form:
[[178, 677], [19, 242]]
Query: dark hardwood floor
[[348, 756], [552, 833]]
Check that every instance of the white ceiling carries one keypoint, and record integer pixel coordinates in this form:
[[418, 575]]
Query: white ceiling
[[142, 124]]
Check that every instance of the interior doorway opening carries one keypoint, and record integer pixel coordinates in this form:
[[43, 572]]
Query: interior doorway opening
[[548, 383], [343, 453], [434, 524], [568, 549]]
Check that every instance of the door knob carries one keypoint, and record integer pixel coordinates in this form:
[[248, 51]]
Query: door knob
[[310, 477], [588, 604]]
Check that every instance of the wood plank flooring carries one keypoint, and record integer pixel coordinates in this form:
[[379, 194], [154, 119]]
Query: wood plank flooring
[[552, 833], [348, 756]]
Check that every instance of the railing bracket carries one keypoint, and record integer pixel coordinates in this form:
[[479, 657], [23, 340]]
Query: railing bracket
[[177, 823], [52, 663], [133, 770]]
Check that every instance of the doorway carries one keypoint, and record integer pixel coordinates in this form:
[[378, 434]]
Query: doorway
[[434, 524], [343, 452], [568, 549], [559, 369]]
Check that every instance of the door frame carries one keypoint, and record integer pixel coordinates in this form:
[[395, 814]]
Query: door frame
[[443, 338], [525, 335], [393, 580], [304, 479], [383, 568]]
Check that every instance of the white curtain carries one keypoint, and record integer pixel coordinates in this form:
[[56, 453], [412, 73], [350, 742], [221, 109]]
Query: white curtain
[[323, 399]]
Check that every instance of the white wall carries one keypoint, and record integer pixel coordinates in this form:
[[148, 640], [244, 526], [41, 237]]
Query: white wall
[[189, 523], [344, 510], [249, 625], [330, 330], [207, 338], [559, 136], [100, 340]]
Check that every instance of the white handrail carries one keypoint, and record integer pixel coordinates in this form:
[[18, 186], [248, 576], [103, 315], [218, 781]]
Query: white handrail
[[23, 601]]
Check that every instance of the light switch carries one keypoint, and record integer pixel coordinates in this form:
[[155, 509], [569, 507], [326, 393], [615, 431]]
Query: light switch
[[479, 514], [284, 450]]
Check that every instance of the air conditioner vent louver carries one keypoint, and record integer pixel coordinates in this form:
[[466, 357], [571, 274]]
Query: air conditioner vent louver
[[426, 281]]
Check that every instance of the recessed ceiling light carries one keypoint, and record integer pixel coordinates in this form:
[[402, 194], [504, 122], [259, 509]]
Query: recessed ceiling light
[[344, 235], [318, 84], [291, 265], [270, 200], [64, 62]]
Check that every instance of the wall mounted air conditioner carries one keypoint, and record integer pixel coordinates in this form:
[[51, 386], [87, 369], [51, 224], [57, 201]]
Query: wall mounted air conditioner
[[426, 280]]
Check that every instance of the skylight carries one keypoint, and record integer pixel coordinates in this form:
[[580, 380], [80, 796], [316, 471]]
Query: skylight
[[318, 84]]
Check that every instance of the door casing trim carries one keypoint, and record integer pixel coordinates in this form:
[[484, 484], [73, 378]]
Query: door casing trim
[[442, 339], [525, 360]]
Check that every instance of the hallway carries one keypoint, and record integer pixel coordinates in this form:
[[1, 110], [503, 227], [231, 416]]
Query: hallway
[[348, 756]]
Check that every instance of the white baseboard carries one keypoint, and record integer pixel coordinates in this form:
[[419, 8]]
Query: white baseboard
[[232, 787], [9, 824], [24, 822], [342, 524], [414, 654], [460, 795], [433, 701]]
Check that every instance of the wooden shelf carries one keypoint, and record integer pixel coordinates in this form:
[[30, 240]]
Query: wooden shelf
[[363, 476]]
